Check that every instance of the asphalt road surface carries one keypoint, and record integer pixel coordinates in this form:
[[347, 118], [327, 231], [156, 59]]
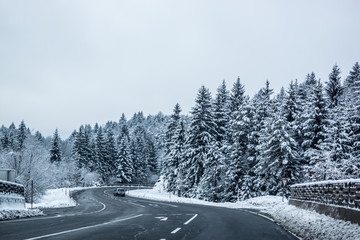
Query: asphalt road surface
[[100, 215]]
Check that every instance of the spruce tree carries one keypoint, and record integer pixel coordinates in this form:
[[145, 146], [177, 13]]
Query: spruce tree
[[111, 152], [202, 133], [102, 166], [333, 88], [21, 136], [222, 112], [313, 127], [124, 165], [55, 151], [278, 156]]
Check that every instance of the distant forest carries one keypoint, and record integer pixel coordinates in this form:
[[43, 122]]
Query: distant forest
[[229, 147]]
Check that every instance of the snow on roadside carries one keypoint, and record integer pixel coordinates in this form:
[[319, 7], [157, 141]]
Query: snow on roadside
[[19, 213], [305, 224], [55, 198], [11, 209]]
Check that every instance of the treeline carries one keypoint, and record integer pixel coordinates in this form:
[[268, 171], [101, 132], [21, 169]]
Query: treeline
[[230, 147], [127, 151], [234, 146]]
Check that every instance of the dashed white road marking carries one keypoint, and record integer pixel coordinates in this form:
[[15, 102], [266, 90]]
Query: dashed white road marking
[[135, 204], [188, 221], [157, 203], [175, 231], [82, 228], [162, 218]]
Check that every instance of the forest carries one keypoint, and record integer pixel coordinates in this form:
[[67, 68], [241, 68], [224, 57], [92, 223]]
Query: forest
[[229, 147]]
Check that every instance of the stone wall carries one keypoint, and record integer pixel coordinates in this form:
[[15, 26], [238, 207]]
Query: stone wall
[[339, 199]]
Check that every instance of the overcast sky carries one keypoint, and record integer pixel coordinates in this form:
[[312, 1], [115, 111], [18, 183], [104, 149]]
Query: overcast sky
[[67, 63]]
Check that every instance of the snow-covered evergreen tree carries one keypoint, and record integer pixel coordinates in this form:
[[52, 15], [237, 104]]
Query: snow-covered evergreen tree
[[173, 149], [123, 164], [236, 146], [202, 134], [333, 88], [21, 136], [111, 152], [102, 166], [278, 156], [55, 151], [313, 127]]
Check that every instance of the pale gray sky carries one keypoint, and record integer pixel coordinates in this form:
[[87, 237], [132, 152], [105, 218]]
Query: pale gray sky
[[65, 63]]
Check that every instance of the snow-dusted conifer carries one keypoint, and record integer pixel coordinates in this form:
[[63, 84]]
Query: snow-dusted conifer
[[123, 164], [55, 151], [333, 88], [202, 133], [21, 136], [102, 165]]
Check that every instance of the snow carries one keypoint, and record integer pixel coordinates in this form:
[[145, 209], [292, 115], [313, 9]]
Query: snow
[[13, 207], [19, 213], [305, 224], [328, 182], [11, 201], [55, 198], [10, 183]]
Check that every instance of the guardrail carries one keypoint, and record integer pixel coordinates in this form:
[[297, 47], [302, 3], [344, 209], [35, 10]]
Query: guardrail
[[11, 195], [342, 192]]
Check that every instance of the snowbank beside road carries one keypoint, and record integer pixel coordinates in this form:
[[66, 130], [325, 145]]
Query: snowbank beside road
[[55, 198], [303, 223], [16, 209], [19, 213]]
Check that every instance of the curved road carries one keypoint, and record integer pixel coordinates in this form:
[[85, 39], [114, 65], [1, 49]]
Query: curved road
[[100, 215]]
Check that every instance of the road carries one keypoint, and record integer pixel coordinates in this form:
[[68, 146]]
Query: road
[[100, 215]]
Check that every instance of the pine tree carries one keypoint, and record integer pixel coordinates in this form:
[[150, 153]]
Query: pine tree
[[201, 135], [222, 112], [124, 129], [55, 151], [102, 166], [333, 88], [353, 103], [313, 127], [237, 96], [21, 136], [124, 165], [111, 152], [278, 157], [291, 107]]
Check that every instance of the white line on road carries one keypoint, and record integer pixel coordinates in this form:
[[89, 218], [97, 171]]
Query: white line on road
[[104, 207], [159, 203], [82, 228], [135, 204], [175, 231], [188, 221]]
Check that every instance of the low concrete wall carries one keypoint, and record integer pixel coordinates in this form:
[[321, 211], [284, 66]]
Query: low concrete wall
[[342, 213], [338, 199], [11, 195]]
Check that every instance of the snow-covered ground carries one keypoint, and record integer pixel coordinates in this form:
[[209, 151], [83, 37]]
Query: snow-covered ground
[[305, 224], [56, 198], [13, 207], [53, 198]]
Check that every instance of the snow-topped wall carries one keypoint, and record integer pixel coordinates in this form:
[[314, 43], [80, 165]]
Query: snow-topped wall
[[338, 198], [340, 192], [11, 195]]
